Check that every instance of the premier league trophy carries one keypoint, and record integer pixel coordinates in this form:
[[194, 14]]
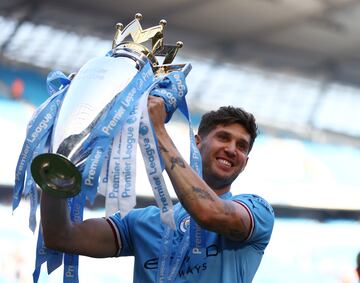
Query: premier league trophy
[[87, 99], [85, 114], [83, 139]]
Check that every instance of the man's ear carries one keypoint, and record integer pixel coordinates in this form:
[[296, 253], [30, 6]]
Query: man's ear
[[197, 139]]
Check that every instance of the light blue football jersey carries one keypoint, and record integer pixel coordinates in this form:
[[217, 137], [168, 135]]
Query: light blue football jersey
[[140, 233]]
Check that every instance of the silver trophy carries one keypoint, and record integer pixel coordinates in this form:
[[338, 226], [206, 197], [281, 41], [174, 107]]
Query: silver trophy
[[91, 90]]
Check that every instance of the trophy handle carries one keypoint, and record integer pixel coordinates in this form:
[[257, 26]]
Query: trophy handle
[[56, 175]]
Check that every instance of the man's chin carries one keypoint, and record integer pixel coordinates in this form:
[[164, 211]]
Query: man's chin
[[226, 176], [222, 181]]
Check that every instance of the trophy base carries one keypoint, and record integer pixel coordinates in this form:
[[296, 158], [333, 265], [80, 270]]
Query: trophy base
[[56, 175]]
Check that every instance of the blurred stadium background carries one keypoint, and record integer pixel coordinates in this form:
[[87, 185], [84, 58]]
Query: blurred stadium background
[[294, 64]]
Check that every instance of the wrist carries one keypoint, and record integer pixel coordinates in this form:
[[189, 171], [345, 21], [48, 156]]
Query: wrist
[[160, 130]]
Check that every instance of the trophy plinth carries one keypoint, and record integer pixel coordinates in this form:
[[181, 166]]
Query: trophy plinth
[[56, 175]]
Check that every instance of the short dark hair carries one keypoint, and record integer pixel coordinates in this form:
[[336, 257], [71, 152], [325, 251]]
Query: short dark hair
[[226, 115]]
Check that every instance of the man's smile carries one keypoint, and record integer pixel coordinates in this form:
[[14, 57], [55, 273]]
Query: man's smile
[[224, 162]]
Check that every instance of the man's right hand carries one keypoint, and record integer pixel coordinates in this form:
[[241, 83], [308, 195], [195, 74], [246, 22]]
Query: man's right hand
[[157, 112]]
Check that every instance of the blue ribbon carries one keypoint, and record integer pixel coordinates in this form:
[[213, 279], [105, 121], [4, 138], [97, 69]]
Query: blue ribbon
[[168, 267], [71, 261], [43, 254], [38, 132]]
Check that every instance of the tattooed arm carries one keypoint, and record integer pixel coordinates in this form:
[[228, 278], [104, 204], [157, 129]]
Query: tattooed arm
[[226, 217]]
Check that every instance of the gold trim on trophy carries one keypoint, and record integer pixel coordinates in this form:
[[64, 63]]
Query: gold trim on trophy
[[140, 36]]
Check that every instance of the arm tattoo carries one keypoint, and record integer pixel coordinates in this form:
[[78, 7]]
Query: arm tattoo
[[202, 193], [229, 208], [177, 161], [163, 149]]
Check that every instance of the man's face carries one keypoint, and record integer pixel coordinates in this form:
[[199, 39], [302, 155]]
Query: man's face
[[224, 152]]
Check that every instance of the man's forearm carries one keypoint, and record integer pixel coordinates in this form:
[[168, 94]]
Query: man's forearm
[[55, 219], [194, 194]]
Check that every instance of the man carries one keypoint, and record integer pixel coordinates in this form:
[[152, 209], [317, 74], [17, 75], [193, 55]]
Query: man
[[235, 229]]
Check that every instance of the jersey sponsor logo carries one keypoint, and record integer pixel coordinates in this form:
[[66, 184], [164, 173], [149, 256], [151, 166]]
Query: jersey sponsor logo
[[192, 270], [187, 268]]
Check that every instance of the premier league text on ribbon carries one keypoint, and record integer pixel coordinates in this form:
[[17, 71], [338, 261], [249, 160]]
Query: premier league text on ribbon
[[158, 186]]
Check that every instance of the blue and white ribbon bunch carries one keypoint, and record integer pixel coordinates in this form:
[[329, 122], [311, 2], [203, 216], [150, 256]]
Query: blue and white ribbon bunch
[[110, 168]]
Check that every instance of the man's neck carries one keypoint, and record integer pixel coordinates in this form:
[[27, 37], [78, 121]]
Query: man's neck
[[220, 191]]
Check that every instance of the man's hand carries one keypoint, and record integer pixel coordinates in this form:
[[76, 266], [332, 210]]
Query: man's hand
[[157, 112]]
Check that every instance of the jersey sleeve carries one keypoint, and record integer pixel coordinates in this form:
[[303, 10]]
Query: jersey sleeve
[[262, 217], [136, 227], [122, 228]]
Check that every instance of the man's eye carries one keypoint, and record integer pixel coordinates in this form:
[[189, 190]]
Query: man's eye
[[222, 137], [242, 146]]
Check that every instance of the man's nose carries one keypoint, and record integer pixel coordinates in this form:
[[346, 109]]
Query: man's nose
[[230, 149]]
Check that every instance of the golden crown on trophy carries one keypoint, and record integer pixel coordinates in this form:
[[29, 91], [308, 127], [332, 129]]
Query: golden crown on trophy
[[140, 36]]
